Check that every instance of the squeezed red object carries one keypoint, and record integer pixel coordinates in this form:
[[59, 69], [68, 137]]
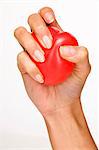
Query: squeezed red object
[[55, 69]]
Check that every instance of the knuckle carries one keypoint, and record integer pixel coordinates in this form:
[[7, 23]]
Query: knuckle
[[20, 61], [20, 58], [19, 66], [83, 54], [89, 68], [19, 31], [31, 18], [45, 9], [85, 51]]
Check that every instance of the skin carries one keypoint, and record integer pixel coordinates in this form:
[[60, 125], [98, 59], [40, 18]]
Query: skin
[[59, 105]]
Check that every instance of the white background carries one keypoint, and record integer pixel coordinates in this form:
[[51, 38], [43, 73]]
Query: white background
[[21, 125]]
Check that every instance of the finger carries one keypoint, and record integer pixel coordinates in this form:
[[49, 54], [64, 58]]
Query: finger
[[49, 17], [40, 29], [25, 65], [78, 55], [29, 44]]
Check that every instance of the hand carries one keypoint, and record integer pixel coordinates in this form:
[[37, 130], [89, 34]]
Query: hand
[[48, 99]]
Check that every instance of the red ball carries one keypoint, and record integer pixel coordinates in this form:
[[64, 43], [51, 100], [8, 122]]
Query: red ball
[[55, 69]]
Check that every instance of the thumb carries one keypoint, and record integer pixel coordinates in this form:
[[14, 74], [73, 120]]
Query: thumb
[[79, 56]]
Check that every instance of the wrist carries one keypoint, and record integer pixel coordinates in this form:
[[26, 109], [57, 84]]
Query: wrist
[[67, 128], [70, 110]]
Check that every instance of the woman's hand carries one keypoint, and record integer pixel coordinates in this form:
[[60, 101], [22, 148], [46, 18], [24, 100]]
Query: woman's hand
[[60, 104], [49, 98]]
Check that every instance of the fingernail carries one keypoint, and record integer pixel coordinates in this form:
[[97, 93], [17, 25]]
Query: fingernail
[[39, 55], [68, 51], [47, 41], [39, 78], [49, 17]]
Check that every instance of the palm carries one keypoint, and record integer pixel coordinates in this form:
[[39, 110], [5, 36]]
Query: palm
[[49, 98]]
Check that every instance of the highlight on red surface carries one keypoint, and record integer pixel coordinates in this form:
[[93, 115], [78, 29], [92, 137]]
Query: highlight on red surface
[[55, 69]]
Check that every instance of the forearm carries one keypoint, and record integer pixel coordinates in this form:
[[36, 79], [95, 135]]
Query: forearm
[[68, 129]]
